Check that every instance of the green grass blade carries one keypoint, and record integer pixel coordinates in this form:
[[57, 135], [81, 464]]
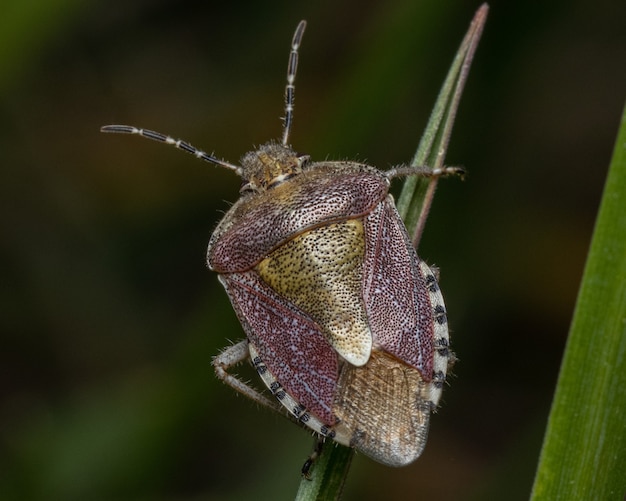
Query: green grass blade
[[328, 475], [584, 450], [417, 193]]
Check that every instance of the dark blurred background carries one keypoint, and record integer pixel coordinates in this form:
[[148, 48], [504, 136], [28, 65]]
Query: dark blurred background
[[109, 317]]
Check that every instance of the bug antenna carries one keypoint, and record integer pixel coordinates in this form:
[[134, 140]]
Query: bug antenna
[[292, 68], [178, 143]]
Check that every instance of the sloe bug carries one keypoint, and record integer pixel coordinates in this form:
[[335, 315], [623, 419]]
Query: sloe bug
[[345, 325]]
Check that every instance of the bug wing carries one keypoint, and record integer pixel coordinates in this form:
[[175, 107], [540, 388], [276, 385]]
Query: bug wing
[[385, 407], [395, 291], [290, 344]]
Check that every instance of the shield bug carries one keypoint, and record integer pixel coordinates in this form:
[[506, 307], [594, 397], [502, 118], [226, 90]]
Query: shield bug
[[345, 325]]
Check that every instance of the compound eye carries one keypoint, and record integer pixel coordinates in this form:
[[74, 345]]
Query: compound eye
[[303, 160], [246, 187]]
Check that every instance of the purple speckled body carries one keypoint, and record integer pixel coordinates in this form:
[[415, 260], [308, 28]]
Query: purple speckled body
[[323, 277], [345, 325]]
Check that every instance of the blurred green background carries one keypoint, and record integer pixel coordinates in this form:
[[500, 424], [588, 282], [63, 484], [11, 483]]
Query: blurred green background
[[109, 317]]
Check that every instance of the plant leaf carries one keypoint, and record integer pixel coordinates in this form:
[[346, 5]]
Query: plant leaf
[[418, 192], [584, 449]]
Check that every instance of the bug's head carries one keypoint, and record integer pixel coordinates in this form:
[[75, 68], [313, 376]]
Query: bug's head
[[269, 166]]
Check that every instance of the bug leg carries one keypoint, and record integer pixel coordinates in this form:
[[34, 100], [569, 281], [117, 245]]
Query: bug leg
[[436, 272], [424, 171], [230, 357], [317, 450]]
